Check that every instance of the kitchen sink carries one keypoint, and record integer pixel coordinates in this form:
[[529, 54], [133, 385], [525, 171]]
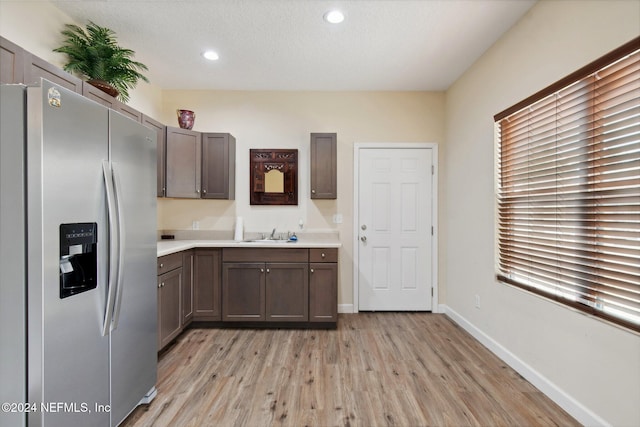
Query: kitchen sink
[[268, 241]]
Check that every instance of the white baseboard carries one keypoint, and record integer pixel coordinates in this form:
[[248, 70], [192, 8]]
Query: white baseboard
[[559, 396], [345, 308]]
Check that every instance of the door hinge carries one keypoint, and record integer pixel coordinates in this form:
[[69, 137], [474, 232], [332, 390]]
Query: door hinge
[[433, 170], [432, 230], [432, 292]]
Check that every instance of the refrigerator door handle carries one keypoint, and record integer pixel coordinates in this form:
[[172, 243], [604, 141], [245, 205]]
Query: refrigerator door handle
[[113, 245], [121, 246]]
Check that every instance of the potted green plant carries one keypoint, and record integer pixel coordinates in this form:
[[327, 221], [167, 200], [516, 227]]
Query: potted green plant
[[94, 53]]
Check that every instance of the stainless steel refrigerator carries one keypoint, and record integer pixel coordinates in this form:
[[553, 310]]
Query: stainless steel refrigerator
[[78, 302]]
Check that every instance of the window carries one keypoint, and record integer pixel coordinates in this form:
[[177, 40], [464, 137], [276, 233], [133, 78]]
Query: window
[[569, 189]]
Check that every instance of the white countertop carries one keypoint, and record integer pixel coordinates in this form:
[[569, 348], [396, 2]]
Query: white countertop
[[167, 247]]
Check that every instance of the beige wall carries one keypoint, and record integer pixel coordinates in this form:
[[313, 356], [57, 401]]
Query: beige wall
[[285, 120], [592, 364], [36, 25]]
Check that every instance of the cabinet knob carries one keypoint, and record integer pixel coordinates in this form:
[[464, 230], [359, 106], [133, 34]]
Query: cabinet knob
[[262, 270], [204, 191], [159, 285], [312, 270], [313, 191], [267, 270], [161, 265], [322, 255]]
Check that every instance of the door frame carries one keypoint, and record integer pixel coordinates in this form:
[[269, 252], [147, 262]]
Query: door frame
[[357, 149]]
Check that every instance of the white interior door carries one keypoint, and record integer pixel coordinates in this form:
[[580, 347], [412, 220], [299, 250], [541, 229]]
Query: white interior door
[[395, 218]]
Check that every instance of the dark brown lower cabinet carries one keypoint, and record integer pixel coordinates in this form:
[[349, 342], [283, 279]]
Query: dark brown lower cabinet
[[287, 292], [323, 292], [169, 307], [280, 285], [207, 284], [296, 285], [273, 292], [243, 292], [188, 261]]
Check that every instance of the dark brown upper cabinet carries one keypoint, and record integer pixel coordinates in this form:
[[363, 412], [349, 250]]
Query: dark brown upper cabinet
[[323, 166], [11, 62], [127, 111], [274, 177], [35, 67], [97, 95], [200, 166], [183, 156], [218, 166], [162, 138]]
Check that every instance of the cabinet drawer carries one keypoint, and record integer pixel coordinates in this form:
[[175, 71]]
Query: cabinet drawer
[[169, 262], [323, 255]]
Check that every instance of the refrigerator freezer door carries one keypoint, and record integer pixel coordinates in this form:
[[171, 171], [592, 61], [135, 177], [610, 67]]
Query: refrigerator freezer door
[[68, 361], [13, 346], [134, 329]]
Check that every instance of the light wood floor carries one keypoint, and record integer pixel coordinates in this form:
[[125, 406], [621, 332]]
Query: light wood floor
[[409, 369]]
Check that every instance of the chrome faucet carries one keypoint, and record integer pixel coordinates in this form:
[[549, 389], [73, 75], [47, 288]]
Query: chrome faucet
[[273, 233]]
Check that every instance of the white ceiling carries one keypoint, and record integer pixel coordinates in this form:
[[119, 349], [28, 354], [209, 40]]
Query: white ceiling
[[286, 44]]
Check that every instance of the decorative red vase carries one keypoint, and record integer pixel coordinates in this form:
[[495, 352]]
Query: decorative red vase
[[186, 118]]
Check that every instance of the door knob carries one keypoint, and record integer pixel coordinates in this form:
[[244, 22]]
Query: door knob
[[363, 238], [364, 226]]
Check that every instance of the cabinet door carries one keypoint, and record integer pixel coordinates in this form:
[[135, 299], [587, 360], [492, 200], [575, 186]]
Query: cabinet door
[[218, 166], [188, 264], [11, 62], [127, 111], [323, 292], [243, 292], [287, 292], [95, 94], [35, 67], [323, 166], [183, 163], [169, 313], [161, 131], [207, 284]]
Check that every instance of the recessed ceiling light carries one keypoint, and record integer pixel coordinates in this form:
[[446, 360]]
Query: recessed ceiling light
[[334, 16], [210, 55]]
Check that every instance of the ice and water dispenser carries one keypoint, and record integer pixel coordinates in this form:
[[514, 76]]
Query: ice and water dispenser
[[78, 258]]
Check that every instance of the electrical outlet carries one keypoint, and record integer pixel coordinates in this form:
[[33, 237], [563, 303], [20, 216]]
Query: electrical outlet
[[195, 225], [337, 218], [477, 301]]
